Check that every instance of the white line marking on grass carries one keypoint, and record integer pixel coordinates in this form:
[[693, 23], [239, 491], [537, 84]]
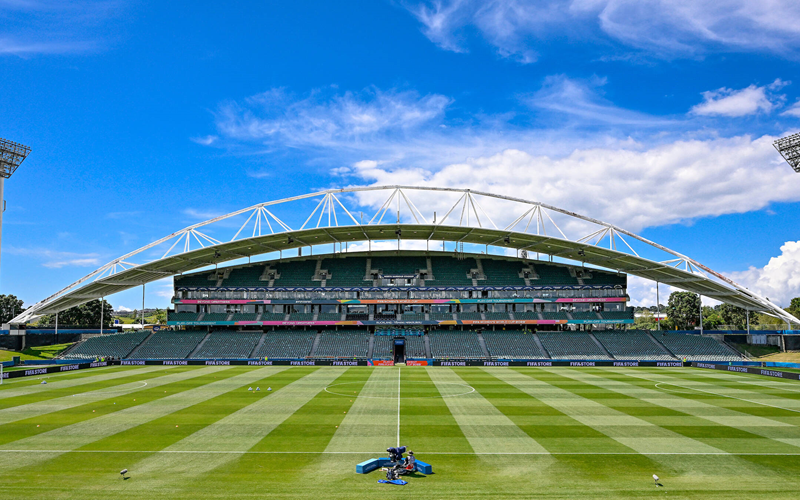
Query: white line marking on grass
[[736, 377], [89, 431], [58, 384], [422, 452], [438, 396], [398, 407], [485, 427], [604, 419], [710, 392]]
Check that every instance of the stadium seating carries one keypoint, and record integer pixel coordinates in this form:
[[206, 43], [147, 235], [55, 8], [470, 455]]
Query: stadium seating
[[343, 344], [286, 344], [564, 345], [116, 346], [383, 347], [228, 344], [244, 317], [501, 273], [584, 315], [470, 316], [272, 316], [441, 316], [632, 344], [496, 315], [448, 271], [618, 315], [196, 280], [347, 272], [301, 317], [697, 348], [296, 274], [245, 277], [329, 317], [526, 315], [398, 265], [215, 317], [184, 316], [170, 345], [513, 345], [413, 317], [553, 275], [455, 345], [554, 315]]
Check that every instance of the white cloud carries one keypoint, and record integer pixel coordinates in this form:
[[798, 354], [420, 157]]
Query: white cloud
[[205, 140], [124, 309], [678, 28], [58, 264], [325, 119], [56, 27], [55, 259], [779, 280], [793, 110], [663, 184], [747, 101], [581, 100]]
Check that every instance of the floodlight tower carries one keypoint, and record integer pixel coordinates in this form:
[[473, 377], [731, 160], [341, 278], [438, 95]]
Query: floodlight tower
[[789, 148], [12, 155]]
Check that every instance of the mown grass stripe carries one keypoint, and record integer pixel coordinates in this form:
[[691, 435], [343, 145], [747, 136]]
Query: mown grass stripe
[[426, 421], [163, 432], [371, 423], [755, 425], [47, 389], [646, 438], [83, 433], [62, 403], [59, 395], [788, 400], [241, 430], [236, 433], [719, 437], [485, 427], [17, 383]]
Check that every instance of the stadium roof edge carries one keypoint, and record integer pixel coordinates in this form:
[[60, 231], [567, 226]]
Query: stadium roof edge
[[478, 228]]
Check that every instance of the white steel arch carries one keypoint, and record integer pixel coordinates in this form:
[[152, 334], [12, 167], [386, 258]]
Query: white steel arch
[[528, 226]]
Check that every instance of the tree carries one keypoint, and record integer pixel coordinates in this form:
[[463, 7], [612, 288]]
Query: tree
[[87, 314], [794, 307], [736, 316], [683, 309], [10, 307], [645, 321]]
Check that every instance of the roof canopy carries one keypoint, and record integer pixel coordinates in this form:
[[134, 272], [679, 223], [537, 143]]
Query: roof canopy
[[526, 228]]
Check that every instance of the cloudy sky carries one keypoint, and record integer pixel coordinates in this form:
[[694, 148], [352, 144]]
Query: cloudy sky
[[144, 117]]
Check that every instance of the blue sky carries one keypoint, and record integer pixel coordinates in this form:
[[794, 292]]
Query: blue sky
[[145, 117]]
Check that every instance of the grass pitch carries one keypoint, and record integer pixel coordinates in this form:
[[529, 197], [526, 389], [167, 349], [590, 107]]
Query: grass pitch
[[197, 432]]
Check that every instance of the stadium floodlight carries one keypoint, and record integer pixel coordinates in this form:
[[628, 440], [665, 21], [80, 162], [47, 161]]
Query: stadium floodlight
[[12, 154], [789, 148]]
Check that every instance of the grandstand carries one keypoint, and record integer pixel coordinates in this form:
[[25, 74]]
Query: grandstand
[[115, 346], [513, 345], [287, 344], [227, 345], [169, 345], [425, 298], [455, 345], [633, 344], [343, 344], [564, 345], [698, 348]]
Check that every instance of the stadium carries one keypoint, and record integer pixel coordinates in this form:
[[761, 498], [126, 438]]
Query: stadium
[[501, 352]]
